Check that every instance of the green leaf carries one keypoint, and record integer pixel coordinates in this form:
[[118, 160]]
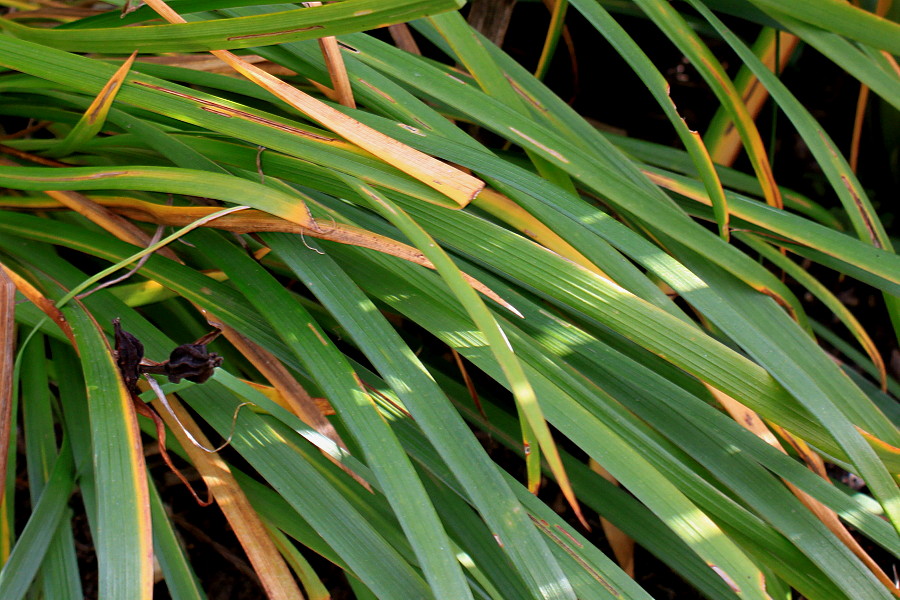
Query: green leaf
[[159, 179], [426, 402], [359, 542], [274, 28], [27, 555], [122, 537], [841, 18], [659, 88], [336, 378]]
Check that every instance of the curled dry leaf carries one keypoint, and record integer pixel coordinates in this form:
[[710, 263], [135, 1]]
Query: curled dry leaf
[[191, 362]]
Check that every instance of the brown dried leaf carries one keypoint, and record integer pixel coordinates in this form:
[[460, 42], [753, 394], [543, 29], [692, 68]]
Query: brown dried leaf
[[253, 221], [274, 574], [7, 359]]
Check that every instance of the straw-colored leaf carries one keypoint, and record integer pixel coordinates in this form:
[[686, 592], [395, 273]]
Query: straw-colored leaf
[[724, 140], [7, 355], [256, 221], [274, 574], [454, 184]]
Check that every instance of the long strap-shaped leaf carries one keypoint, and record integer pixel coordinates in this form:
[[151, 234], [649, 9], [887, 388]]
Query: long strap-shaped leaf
[[825, 296], [123, 541], [842, 178], [469, 51], [457, 185], [863, 63], [360, 543], [458, 229], [95, 117], [843, 18], [275, 28], [630, 467], [680, 33], [7, 356], [669, 336], [58, 577], [659, 88], [160, 179], [526, 401], [274, 575], [426, 402], [25, 559], [242, 122], [783, 226], [607, 172], [336, 378], [420, 315], [363, 546]]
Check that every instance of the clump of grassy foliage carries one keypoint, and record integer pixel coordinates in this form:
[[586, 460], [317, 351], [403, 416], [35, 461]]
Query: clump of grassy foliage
[[397, 298]]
